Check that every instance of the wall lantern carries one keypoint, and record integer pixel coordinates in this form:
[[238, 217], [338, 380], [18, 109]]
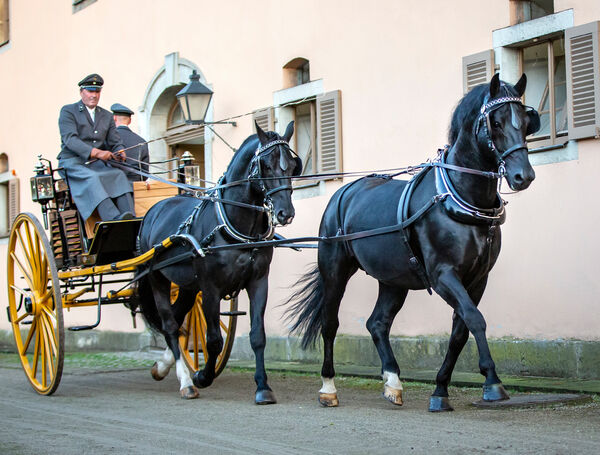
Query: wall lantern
[[194, 99]]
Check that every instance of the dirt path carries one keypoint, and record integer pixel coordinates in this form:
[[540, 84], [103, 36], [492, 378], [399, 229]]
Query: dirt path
[[127, 412]]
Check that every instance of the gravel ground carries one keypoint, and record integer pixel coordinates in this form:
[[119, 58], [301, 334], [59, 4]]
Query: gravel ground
[[108, 403]]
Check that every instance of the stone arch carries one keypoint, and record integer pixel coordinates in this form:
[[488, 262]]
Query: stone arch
[[158, 100]]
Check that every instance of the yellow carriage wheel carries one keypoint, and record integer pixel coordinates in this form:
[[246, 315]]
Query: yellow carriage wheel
[[35, 306], [192, 338]]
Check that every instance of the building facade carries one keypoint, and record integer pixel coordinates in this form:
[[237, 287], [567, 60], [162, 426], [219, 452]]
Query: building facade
[[371, 86]]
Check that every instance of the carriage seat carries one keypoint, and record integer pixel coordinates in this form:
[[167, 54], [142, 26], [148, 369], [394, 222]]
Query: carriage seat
[[145, 195]]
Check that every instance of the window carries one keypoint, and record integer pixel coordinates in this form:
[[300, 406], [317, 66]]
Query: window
[[4, 24], [562, 64], [522, 11], [9, 196], [545, 66], [78, 5], [296, 72]]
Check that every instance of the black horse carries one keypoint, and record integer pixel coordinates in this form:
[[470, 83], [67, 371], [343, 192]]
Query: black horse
[[244, 212], [451, 215]]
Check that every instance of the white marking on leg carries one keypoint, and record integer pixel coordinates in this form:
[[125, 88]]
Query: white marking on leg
[[392, 380], [183, 374], [165, 364], [328, 386]]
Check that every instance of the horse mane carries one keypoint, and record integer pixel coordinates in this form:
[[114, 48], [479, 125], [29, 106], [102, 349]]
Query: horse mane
[[467, 110], [247, 149]]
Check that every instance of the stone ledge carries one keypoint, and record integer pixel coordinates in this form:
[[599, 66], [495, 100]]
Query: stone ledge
[[552, 358]]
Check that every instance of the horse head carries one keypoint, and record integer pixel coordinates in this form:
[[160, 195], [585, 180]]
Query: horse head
[[273, 164], [501, 130]]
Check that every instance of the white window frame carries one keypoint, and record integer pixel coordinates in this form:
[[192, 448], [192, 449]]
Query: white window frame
[[507, 43]]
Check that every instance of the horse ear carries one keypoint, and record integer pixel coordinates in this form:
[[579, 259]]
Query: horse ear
[[494, 85], [520, 86], [262, 136], [289, 131]]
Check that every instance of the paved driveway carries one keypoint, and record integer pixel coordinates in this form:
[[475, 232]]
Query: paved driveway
[[125, 411]]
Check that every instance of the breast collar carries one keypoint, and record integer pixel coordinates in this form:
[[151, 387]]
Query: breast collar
[[460, 210]]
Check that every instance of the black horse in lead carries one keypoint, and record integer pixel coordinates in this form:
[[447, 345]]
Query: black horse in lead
[[257, 178], [452, 214]]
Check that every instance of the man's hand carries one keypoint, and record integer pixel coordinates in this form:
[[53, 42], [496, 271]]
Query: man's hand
[[120, 155], [103, 155]]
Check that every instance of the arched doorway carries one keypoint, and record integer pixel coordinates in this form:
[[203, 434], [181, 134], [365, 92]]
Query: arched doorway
[[160, 117]]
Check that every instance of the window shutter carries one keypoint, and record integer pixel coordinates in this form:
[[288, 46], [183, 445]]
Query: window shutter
[[264, 118], [13, 200], [583, 80], [477, 69], [329, 132]]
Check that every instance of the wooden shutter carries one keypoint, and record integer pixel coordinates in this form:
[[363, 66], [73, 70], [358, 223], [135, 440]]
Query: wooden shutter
[[583, 80], [13, 200], [477, 69], [329, 132], [264, 118]]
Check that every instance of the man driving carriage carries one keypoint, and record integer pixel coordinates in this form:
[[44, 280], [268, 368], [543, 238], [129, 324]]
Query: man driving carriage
[[89, 141]]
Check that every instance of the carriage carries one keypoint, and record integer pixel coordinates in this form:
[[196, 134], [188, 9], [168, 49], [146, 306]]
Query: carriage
[[396, 231], [81, 265]]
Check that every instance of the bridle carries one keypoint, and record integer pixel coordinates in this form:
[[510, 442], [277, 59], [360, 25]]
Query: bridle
[[255, 177], [483, 123]]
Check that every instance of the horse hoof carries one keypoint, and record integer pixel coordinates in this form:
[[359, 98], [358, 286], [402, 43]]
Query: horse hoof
[[154, 373], [265, 397], [394, 396], [189, 393], [328, 400], [200, 380], [439, 404], [494, 392]]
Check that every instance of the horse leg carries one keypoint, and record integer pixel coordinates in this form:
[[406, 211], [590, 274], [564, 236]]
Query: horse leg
[[214, 339], [389, 302], [460, 334], [161, 289], [450, 288], [335, 276], [257, 292]]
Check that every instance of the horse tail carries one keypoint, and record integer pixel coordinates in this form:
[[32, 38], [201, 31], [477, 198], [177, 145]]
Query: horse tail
[[307, 307], [147, 304]]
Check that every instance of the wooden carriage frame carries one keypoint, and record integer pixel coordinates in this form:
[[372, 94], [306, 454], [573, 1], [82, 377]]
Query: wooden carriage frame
[[71, 268]]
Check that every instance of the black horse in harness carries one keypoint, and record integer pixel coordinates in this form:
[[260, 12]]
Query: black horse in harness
[[253, 195], [449, 218]]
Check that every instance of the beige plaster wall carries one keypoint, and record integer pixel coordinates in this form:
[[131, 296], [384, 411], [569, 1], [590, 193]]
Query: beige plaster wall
[[398, 65]]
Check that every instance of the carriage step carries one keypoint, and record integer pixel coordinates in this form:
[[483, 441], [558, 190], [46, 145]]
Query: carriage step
[[233, 313]]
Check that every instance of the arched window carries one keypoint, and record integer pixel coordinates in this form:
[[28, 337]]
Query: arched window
[[296, 72]]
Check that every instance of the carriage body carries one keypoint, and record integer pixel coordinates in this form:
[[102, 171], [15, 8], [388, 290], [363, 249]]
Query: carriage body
[[81, 265]]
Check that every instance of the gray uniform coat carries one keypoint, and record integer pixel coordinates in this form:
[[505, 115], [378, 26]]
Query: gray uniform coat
[[136, 154], [90, 183]]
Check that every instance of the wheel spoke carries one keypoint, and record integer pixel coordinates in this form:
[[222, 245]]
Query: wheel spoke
[[43, 357], [20, 318], [49, 313], [23, 271], [36, 354], [32, 330], [49, 327], [19, 290], [200, 333], [33, 253]]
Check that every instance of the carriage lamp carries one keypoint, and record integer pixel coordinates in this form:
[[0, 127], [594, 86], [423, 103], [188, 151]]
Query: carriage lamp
[[194, 99], [42, 184], [189, 171]]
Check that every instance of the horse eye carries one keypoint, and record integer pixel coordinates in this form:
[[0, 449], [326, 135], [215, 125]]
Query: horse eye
[[496, 124]]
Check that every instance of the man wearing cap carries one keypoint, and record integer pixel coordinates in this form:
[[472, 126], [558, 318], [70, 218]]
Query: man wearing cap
[[137, 157], [89, 142]]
